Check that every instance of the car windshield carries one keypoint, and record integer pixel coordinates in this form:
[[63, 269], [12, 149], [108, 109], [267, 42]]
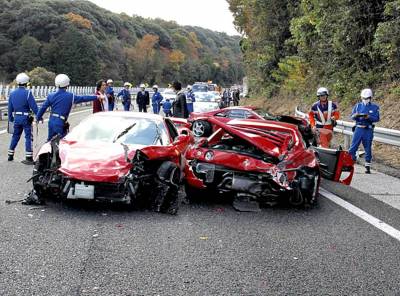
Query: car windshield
[[263, 114], [199, 88], [130, 131], [205, 97]]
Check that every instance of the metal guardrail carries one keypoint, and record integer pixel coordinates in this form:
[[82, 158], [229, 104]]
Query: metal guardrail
[[41, 92], [381, 135]]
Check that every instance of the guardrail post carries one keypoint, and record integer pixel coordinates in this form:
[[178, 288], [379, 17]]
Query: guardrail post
[[347, 141]]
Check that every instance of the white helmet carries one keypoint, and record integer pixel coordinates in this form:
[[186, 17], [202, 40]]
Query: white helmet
[[189, 87], [366, 93], [127, 84], [62, 80], [142, 85], [110, 81], [22, 79], [322, 91], [155, 86]]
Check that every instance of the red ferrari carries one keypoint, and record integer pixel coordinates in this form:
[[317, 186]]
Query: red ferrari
[[203, 128], [126, 157], [263, 161]]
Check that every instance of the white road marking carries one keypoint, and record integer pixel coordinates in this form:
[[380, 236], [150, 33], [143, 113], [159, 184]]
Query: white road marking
[[46, 120], [393, 232]]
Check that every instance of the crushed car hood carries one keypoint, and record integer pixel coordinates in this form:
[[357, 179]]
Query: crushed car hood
[[270, 137], [95, 161]]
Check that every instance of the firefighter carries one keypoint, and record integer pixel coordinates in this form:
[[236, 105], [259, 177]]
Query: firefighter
[[156, 100], [190, 98], [143, 99], [365, 114], [61, 103], [20, 105], [110, 95], [323, 116], [126, 96]]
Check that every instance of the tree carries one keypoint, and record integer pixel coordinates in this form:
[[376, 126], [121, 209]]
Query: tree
[[28, 54], [41, 76]]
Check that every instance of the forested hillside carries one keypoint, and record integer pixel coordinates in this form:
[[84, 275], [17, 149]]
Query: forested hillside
[[88, 43], [293, 46]]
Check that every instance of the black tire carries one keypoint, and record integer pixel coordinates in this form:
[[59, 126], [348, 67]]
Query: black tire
[[41, 164], [201, 128], [169, 172]]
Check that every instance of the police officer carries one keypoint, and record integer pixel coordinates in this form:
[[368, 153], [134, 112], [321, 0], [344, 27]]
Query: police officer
[[143, 98], [126, 96], [61, 103], [365, 114], [323, 115], [190, 98], [20, 103], [110, 95], [156, 100]]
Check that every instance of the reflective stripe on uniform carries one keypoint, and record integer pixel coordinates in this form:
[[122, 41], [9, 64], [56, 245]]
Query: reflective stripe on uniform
[[10, 152], [58, 116], [21, 113], [328, 121]]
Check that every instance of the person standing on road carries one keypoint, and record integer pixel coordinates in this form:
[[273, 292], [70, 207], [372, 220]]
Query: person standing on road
[[61, 103], [156, 100], [110, 95], [179, 105], [225, 99], [20, 104], [323, 116], [190, 98], [126, 96], [365, 114], [167, 106], [143, 99], [236, 97], [100, 105]]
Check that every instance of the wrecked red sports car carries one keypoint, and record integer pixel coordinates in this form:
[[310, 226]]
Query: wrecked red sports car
[[133, 158], [201, 127], [263, 161]]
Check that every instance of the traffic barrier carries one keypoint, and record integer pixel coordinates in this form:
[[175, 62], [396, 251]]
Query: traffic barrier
[[41, 92]]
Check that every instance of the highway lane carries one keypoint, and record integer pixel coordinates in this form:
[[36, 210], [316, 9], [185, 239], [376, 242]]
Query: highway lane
[[208, 249]]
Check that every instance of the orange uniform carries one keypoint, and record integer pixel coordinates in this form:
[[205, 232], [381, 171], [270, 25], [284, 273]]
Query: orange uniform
[[321, 115]]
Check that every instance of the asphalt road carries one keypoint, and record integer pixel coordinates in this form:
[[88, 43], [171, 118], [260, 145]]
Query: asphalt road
[[207, 249]]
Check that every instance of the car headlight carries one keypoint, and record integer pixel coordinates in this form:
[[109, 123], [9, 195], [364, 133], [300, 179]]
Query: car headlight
[[209, 155]]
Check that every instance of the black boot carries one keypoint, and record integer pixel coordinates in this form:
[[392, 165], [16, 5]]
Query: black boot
[[368, 170], [10, 157], [28, 160], [33, 199]]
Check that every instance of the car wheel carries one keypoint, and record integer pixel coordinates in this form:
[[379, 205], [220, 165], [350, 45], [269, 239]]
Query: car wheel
[[201, 128], [38, 174]]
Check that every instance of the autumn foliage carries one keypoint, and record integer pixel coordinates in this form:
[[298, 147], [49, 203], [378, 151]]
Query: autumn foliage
[[79, 20]]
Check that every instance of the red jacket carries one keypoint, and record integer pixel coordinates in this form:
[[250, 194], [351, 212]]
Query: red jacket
[[97, 105]]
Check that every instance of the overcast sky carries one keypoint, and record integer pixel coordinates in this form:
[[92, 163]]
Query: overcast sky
[[210, 14]]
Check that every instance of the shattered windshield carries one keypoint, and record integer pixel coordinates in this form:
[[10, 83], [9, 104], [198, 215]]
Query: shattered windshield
[[130, 131]]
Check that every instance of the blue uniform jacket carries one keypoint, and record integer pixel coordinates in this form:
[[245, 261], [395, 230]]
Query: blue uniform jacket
[[157, 98], [190, 97], [167, 106], [110, 90], [61, 103], [21, 100], [371, 109], [125, 94]]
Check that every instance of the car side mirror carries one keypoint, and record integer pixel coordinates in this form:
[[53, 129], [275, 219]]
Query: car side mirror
[[182, 139]]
